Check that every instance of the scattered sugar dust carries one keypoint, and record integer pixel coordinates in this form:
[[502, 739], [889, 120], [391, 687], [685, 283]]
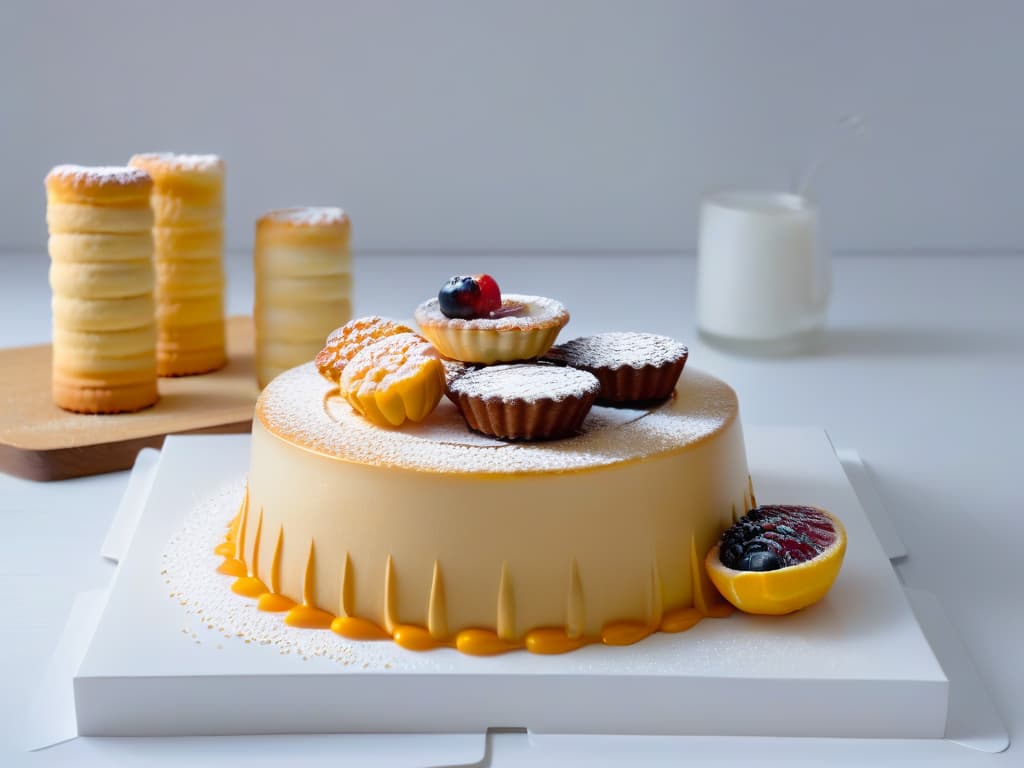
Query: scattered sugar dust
[[215, 614]]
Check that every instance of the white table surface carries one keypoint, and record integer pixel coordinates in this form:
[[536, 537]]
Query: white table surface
[[921, 371]]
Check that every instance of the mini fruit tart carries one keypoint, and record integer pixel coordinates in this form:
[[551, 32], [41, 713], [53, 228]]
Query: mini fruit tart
[[470, 321], [524, 402], [632, 367]]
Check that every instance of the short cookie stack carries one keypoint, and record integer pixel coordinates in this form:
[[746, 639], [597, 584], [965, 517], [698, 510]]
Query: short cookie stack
[[101, 273], [303, 279], [188, 233]]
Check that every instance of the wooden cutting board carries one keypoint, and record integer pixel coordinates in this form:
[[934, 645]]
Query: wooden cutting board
[[40, 441]]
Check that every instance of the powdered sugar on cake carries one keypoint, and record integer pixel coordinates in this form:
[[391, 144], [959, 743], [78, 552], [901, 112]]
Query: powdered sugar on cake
[[213, 614], [309, 216], [100, 174], [538, 312], [302, 406], [194, 163], [618, 349], [529, 383]]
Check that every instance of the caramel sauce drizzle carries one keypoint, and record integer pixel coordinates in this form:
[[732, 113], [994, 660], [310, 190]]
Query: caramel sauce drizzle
[[348, 587], [307, 615], [273, 601], [250, 584], [233, 564], [390, 598], [437, 607], [474, 642], [506, 606]]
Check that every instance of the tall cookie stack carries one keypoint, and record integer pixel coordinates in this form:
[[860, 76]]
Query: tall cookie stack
[[303, 280], [188, 234], [101, 273]]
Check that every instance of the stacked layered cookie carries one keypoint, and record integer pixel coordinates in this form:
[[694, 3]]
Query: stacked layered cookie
[[302, 264], [101, 273], [188, 233]]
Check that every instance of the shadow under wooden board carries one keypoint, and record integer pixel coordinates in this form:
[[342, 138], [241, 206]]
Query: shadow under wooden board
[[39, 441]]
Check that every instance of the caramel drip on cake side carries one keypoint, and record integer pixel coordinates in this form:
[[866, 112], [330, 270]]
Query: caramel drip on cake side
[[234, 564], [437, 608], [273, 601], [414, 638], [476, 642], [243, 521], [354, 628], [506, 606], [625, 632], [348, 587], [553, 640], [680, 620], [346, 623], [390, 598], [306, 614], [250, 584], [226, 548]]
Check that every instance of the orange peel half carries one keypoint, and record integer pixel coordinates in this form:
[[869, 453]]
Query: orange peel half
[[785, 589]]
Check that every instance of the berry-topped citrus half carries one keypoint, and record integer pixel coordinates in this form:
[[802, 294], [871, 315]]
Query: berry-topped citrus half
[[778, 559], [471, 321]]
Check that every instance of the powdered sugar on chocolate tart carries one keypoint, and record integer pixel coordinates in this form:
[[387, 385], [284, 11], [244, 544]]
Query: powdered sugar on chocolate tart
[[525, 402], [617, 349], [453, 369], [632, 367], [526, 382]]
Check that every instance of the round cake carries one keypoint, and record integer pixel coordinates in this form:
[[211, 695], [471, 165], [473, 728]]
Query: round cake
[[436, 536]]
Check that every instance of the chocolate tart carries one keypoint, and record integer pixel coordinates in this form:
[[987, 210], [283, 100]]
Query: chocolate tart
[[524, 402], [632, 367]]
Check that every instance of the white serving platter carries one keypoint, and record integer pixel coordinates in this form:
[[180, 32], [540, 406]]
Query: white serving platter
[[855, 665]]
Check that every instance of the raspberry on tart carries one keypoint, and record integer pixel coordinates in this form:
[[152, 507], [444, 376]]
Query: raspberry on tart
[[632, 367], [523, 401]]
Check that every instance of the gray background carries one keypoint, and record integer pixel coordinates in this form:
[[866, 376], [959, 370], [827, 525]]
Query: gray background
[[533, 125]]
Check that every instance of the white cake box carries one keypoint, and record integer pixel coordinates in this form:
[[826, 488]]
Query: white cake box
[[855, 665]]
